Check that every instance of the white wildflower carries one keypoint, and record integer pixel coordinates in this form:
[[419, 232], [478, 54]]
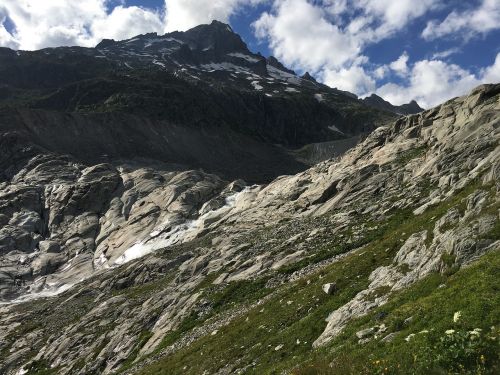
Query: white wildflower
[[450, 331], [475, 332], [456, 316], [424, 331], [408, 338]]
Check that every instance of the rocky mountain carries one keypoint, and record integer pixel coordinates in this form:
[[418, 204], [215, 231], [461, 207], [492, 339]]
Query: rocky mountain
[[379, 260], [376, 101], [197, 99]]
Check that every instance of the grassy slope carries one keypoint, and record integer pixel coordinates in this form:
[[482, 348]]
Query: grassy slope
[[294, 316]]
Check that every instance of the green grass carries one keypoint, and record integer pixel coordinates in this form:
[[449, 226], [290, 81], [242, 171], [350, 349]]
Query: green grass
[[40, 367], [410, 154], [474, 291], [294, 315]]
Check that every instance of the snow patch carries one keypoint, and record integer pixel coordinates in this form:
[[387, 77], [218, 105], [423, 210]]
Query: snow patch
[[319, 97], [179, 233], [49, 290], [132, 40], [156, 62], [223, 66], [283, 76], [256, 85], [150, 42]]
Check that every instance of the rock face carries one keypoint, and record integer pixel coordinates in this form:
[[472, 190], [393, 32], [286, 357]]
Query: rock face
[[67, 224]]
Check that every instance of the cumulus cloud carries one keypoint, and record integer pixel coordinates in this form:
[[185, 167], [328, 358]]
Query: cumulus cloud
[[388, 16], [300, 35], [431, 82], [400, 66], [352, 79], [184, 14], [468, 23], [316, 35], [126, 22], [52, 23], [328, 37], [491, 74]]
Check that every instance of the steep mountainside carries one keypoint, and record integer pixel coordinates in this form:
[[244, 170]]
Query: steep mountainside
[[199, 99], [354, 266]]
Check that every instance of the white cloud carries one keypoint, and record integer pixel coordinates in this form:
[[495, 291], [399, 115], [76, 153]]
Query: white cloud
[[491, 74], [391, 16], [431, 82], [184, 14], [466, 24], [400, 66], [126, 22], [353, 79], [446, 53], [380, 72], [52, 23], [327, 37], [6, 39], [299, 35]]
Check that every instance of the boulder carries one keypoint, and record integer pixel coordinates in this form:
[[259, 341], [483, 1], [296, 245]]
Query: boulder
[[47, 263], [329, 288], [48, 246]]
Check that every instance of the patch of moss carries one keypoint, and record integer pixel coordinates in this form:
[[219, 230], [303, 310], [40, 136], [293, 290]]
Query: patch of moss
[[410, 154]]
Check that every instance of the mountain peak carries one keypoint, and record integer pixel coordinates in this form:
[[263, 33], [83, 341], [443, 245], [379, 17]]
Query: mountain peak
[[376, 101], [223, 25], [216, 35], [105, 43], [308, 77]]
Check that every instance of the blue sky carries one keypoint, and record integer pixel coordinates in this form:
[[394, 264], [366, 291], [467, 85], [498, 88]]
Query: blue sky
[[426, 50]]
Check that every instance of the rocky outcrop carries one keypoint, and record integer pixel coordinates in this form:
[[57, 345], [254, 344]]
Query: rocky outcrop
[[94, 221]]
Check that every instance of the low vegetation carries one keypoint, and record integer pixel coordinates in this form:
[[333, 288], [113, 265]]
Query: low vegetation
[[276, 335]]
